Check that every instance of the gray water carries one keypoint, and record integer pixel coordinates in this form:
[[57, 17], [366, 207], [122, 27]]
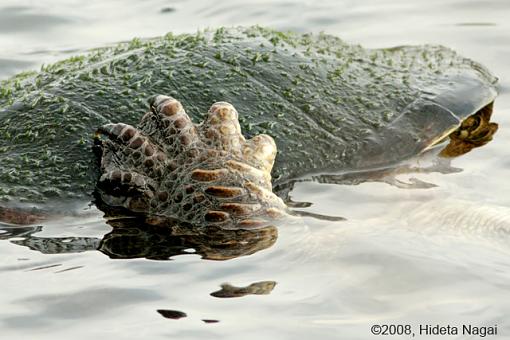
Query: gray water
[[438, 255]]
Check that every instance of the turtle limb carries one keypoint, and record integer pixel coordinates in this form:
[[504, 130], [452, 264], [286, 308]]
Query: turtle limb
[[204, 174], [131, 165]]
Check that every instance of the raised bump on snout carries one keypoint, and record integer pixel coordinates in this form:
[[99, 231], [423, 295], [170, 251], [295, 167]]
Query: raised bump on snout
[[202, 175]]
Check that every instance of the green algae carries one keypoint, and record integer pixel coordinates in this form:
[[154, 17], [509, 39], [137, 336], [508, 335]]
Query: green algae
[[322, 100]]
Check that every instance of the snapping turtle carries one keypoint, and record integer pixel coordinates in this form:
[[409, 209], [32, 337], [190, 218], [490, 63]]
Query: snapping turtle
[[324, 104]]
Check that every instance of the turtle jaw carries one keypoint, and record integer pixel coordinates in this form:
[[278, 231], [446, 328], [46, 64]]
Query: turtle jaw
[[474, 131]]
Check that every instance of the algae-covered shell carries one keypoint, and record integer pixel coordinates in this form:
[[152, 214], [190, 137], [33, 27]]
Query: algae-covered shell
[[328, 105]]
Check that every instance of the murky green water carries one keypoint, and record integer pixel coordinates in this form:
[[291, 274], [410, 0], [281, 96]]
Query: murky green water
[[404, 256]]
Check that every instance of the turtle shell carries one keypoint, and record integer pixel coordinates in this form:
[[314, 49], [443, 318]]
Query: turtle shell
[[328, 105]]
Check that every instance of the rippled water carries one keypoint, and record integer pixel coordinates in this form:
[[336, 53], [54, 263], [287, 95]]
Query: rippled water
[[404, 256]]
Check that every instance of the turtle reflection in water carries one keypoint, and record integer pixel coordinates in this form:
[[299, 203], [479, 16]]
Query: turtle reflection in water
[[131, 238], [325, 105]]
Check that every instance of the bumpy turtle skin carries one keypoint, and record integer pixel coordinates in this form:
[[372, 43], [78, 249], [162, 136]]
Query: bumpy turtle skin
[[204, 175], [328, 105]]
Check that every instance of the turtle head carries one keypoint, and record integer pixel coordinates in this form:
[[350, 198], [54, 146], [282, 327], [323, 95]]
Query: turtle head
[[476, 130]]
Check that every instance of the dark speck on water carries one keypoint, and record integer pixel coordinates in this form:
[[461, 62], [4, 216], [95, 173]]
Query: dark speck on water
[[171, 314], [167, 10], [210, 321]]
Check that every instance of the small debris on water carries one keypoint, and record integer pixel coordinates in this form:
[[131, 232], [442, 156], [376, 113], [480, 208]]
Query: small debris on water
[[167, 10], [171, 314], [210, 321]]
